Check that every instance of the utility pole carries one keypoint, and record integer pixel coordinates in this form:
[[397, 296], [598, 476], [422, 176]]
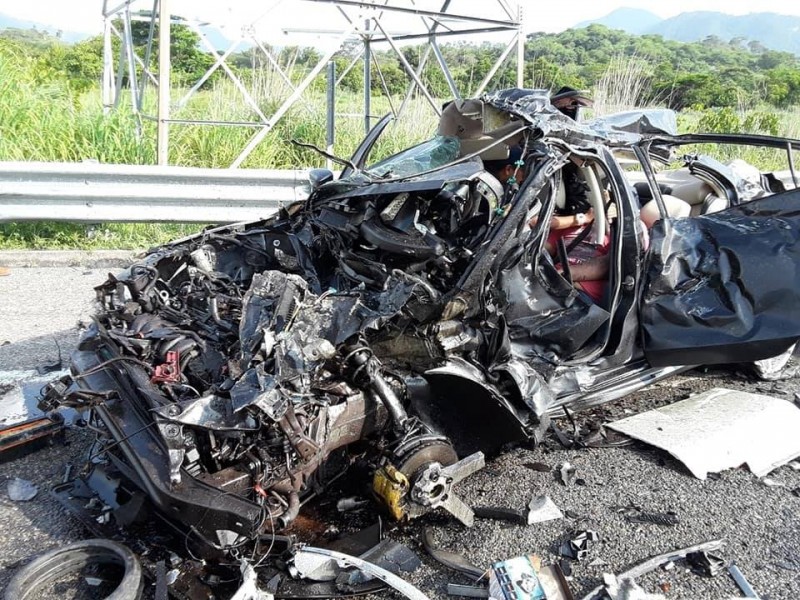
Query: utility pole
[[164, 19]]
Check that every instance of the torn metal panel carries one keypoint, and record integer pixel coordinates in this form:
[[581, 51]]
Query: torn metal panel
[[707, 432], [709, 297], [345, 561]]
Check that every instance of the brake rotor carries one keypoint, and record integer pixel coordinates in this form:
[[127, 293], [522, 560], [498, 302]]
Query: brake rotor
[[425, 453], [431, 467]]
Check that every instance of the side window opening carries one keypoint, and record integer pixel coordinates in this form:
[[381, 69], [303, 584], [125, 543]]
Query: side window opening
[[549, 316]]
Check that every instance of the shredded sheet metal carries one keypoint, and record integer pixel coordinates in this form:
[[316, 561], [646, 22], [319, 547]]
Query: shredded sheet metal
[[720, 429], [346, 561]]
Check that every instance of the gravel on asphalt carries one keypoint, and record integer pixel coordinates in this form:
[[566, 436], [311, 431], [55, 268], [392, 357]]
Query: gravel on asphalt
[[759, 523]]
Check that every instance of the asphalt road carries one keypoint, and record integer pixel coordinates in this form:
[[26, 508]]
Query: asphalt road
[[760, 523]]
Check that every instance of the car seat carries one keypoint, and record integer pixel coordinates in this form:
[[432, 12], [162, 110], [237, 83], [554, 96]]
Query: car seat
[[676, 207]]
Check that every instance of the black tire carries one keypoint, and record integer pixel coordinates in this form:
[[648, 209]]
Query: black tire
[[56, 564]]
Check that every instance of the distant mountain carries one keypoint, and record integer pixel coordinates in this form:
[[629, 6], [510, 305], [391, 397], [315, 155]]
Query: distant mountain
[[631, 20], [216, 37], [771, 30], [774, 31], [7, 22]]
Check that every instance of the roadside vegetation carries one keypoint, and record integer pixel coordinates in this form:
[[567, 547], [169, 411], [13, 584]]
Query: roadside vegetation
[[51, 107]]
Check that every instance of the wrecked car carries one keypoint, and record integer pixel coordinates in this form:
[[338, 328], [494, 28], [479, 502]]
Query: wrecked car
[[406, 317]]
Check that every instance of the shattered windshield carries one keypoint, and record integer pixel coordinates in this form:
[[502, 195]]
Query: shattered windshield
[[436, 152]]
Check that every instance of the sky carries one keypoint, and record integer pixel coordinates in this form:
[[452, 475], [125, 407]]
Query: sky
[[539, 15]]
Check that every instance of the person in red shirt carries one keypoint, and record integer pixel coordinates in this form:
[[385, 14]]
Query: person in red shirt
[[588, 258]]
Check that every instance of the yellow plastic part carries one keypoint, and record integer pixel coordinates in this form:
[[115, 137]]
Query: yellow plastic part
[[391, 486]]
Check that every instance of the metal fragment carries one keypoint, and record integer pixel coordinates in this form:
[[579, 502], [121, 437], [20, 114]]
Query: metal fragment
[[741, 581], [656, 561], [467, 591], [449, 559], [345, 561]]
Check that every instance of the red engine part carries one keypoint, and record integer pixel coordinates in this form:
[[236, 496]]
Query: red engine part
[[169, 371]]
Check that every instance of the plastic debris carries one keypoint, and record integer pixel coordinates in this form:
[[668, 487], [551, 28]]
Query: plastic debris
[[467, 591], [567, 473], [351, 503], [502, 514], [542, 508], [626, 588], [566, 567], [452, 560], [21, 490], [598, 562], [345, 561], [537, 466], [249, 588], [577, 548], [387, 554], [665, 518], [704, 563]]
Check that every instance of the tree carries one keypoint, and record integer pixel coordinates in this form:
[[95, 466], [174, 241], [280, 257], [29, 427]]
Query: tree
[[188, 62]]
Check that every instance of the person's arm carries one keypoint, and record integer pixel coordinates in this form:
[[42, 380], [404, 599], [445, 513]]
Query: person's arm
[[566, 221]]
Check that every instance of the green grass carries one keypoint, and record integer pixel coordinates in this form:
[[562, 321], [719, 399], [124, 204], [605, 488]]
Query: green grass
[[51, 123]]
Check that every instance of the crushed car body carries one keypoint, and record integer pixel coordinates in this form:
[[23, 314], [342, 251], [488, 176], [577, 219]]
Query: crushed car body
[[406, 317]]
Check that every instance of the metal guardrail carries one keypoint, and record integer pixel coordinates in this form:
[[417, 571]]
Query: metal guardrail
[[96, 193]]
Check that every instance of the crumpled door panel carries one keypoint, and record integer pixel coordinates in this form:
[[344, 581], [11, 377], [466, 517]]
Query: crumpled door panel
[[724, 287]]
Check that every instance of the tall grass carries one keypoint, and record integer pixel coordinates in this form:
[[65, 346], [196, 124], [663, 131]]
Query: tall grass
[[623, 86], [50, 123]]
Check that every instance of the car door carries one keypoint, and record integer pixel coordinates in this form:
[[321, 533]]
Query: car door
[[723, 287], [361, 154]]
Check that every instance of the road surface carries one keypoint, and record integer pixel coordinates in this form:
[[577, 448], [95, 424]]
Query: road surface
[[43, 308]]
